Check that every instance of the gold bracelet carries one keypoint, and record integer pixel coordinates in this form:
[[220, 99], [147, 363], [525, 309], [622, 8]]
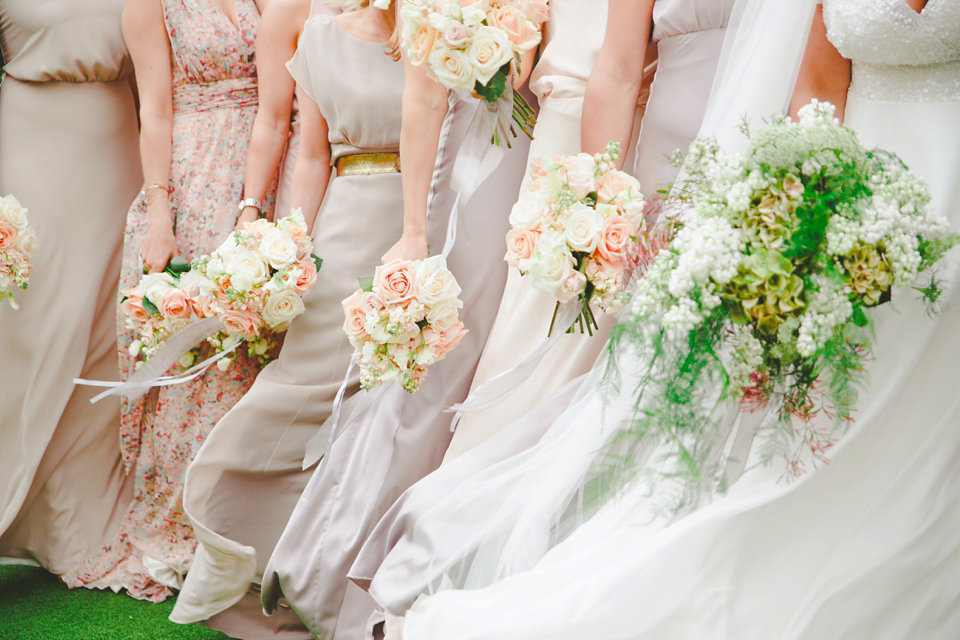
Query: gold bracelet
[[154, 185], [161, 196]]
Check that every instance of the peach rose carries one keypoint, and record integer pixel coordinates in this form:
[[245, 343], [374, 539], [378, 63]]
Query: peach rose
[[521, 32], [616, 239], [420, 43], [8, 236], [393, 281], [536, 10], [572, 286], [258, 227], [355, 316], [304, 248], [453, 335], [204, 306], [307, 277], [243, 323], [520, 245], [132, 307], [610, 186], [175, 304]]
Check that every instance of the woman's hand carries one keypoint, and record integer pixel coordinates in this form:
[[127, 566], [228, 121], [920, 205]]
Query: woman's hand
[[408, 247], [158, 246]]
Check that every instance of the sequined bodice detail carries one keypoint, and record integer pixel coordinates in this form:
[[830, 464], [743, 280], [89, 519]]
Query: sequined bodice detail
[[898, 54]]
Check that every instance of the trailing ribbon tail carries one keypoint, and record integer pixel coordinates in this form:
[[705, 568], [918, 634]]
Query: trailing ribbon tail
[[151, 374], [491, 392]]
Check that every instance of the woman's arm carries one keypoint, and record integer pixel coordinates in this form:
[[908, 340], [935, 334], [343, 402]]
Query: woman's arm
[[424, 107], [280, 27], [613, 89], [824, 73], [312, 171], [146, 37]]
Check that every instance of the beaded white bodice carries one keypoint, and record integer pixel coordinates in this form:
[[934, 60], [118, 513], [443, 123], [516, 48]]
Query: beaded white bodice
[[898, 54]]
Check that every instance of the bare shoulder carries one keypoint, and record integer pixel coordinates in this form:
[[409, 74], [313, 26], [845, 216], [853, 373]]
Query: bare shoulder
[[291, 12], [141, 17]]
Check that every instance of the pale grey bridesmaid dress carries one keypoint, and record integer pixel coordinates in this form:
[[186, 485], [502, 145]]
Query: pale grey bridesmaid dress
[[68, 151], [401, 437]]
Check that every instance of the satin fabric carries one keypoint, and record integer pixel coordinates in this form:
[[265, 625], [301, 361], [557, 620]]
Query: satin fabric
[[68, 152], [458, 522], [401, 437], [864, 547], [248, 476]]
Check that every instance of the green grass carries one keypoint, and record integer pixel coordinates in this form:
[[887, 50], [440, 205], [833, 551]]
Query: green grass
[[36, 605]]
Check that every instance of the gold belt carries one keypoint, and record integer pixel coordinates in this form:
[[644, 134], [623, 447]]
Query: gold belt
[[357, 164]]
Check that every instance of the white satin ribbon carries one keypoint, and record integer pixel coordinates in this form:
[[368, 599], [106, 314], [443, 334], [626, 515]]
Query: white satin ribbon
[[151, 374]]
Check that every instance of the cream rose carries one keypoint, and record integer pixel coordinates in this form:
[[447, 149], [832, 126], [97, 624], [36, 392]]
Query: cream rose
[[280, 308], [153, 285], [572, 286], [258, 228], [434, 283], [452, 69], [13, 212], [550, 264], [582, 228], [489, 51], [243, 323], [521, 244], [529, 210], [581, 176], [444, 314], [393, 281], [246, 269], [420, 40], [175, 303], [279, 249], [27, 242]]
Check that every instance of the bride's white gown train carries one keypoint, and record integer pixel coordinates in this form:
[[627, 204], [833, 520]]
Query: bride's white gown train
[[865, 547]]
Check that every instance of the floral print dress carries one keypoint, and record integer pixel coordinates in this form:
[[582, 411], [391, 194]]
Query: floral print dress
[[214, 104]]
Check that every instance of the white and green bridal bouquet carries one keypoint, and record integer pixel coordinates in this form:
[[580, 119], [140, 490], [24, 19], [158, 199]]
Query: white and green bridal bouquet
[[764, 293]]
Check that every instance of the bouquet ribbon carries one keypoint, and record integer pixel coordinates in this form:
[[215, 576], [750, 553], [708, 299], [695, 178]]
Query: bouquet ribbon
[[151, 374]]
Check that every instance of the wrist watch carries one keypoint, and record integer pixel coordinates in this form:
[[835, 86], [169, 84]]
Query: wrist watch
[[252, 202]]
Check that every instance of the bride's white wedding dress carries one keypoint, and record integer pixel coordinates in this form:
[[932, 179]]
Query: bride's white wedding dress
[[865, 547]]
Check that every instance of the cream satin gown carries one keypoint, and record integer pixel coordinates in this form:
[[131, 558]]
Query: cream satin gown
[[436, 526], [571, 41], [865, 547], [68, 152]]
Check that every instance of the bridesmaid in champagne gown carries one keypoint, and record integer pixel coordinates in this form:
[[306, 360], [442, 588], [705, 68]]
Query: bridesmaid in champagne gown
[[436, 525], [68, 151], [248, 475], [214, 101], [401, 437], [571, 40]]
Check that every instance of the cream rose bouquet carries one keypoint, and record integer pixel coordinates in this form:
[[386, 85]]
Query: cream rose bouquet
[[576, 231], [403, 320], [253, 282], [17, 242], [470, 46]]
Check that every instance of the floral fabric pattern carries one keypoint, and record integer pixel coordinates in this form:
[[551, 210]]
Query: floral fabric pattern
[[214, 104]]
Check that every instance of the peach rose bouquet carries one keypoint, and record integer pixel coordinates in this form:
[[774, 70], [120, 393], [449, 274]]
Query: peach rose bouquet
[[402, 320], [576, 231], [254, 282], [17, 243], [471, 46]]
